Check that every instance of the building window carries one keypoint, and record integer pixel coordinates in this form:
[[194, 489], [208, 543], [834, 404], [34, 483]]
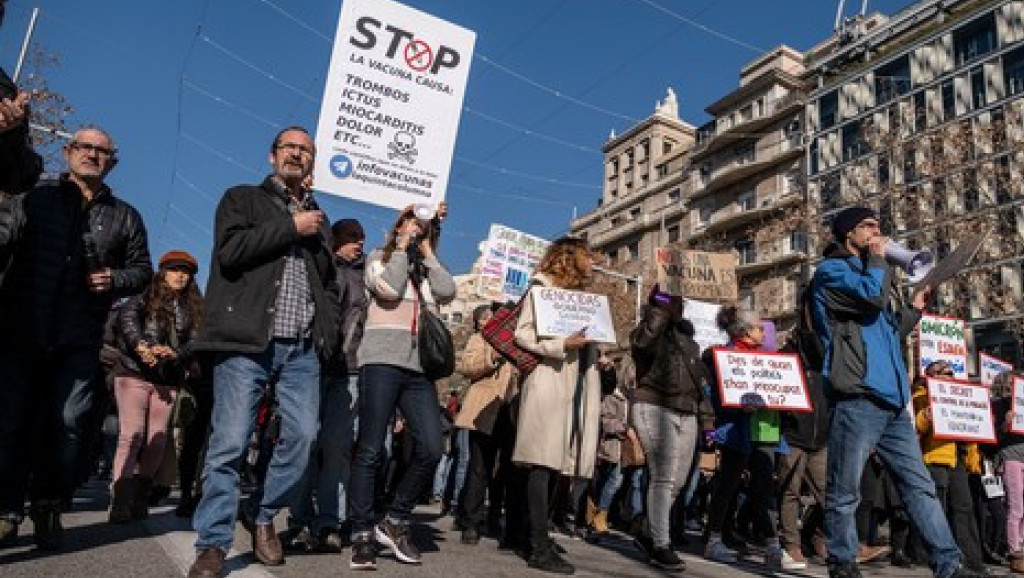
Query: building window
[[634, 214], [920, 113], [645, 150], [830, 192], [892, 80], [828, 110], [797, 242], [745, 154], [704, 214], [666, 147], [1013, 71], [854, 144], [662, 170], [909, 164], [705, 172], [940, 201], [978, 88], [948, 100], [975, 39], [791, 182], [812, 153], [613, 257], [673, 234], [629, 158], [893, 113], [1002, 176], [674, 195], [747, 201], [747, 113], [972, 196], [616, 221], [883, 170], [634, 250], [745, 248]]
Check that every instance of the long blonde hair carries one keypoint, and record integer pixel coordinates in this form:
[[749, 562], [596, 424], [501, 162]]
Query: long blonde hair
[[565, 262]]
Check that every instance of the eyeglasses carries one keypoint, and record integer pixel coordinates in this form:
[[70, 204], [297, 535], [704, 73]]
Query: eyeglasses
[[295, 148], [88, 147]]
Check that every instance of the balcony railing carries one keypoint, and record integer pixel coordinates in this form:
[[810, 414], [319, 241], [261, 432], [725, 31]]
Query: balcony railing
[[710, 140]]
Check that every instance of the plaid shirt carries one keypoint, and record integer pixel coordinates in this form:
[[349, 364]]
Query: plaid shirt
[[293, 311]]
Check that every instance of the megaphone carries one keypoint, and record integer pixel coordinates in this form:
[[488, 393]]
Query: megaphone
[[917, 264]]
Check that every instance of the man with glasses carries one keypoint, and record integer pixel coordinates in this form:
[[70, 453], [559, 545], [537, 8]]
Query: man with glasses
[[79, 248], [271, 315], [866, 379]]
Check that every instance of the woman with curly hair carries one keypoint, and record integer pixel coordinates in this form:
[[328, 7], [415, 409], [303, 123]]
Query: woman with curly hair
[[560, 401], [155, 331]]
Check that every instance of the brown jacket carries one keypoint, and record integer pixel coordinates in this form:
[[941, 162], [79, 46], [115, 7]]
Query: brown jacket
[[614, 424], [490, 385]]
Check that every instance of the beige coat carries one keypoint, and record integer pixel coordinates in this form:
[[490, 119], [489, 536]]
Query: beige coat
[[549, 431], [491, 385]]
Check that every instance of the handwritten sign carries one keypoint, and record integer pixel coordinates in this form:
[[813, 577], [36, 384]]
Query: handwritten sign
[[697, 274], [991, 367], [961, 411], [942, 339], [1017, 406], [561, 313], [703, 315], [507, 263], [759, 379]]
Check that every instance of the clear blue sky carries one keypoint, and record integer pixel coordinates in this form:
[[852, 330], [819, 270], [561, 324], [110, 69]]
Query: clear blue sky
[[194, 113]]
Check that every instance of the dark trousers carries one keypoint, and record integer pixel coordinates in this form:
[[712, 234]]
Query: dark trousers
[[539, 482], [481, 480], [45, 403], [954, 493], [991, 517], [760, 490], [382, 389], [193, 438]]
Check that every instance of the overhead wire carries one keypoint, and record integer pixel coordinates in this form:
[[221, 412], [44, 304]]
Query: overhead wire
[[702, 27]]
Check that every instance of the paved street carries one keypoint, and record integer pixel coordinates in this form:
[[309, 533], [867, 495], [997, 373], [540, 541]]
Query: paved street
[[161, 547]]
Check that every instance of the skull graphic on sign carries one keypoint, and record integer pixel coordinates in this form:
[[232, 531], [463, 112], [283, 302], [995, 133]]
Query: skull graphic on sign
[[403, 147]]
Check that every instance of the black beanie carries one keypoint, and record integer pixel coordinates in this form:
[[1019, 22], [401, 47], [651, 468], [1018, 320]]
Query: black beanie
[[347, 231], [848, 219]]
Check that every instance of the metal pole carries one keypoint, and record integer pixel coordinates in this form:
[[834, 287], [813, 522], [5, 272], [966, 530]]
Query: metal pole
[[864, 8], [639, 295], [839, 14], [24, 45]]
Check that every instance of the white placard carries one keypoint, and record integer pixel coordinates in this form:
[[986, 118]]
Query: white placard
[[704, 317], [391, 105], [961, 411], [507, 263], [942, 338], [561, 313], [991, 367], [1017, 406], [760, 379]]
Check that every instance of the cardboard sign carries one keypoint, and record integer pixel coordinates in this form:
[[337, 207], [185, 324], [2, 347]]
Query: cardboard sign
[[507, 263], [991, 367], [704, 316], [942, 339], [697, 274], [391, 105], [760, 379], [1017, 406], [561, 313], [961, 411]]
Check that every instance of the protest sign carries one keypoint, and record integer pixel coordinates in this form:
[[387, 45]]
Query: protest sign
[[697, 274], [942, 339], [961, 411], [955, 262], [704, 317], [507, 263], [391, 104], [760, 379], [990, 367], [561, 313], [1017, 406]]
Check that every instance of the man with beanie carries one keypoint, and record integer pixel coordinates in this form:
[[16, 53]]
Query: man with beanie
[[865, 377], [328, 471]]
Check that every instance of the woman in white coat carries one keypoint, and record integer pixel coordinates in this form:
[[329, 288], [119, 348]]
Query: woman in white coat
[[560, 402]]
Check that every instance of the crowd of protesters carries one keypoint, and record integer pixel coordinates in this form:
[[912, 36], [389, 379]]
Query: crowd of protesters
[[297, 381]]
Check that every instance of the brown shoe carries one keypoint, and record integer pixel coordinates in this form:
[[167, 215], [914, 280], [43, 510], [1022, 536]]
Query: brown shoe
[[868, 554], [209, 564], [1016, 562], [266, 546]]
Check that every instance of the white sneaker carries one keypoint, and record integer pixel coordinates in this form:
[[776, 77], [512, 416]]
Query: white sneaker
[[717, 550], [788, 563]]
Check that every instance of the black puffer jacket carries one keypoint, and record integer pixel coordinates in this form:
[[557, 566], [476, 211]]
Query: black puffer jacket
[[669, 371], [254, 232], [354, 301], [45, 300], [20, 166], [136, 325]]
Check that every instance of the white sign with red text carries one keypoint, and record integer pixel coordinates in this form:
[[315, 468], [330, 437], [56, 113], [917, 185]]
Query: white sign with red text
[[961, 411], [942, 339], [391, 105], [760, 379]]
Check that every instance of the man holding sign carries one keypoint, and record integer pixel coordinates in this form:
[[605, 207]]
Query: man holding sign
[[865, 375]]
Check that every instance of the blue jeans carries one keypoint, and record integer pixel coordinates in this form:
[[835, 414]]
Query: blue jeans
[[327, 475], [45, 404], [858, 425], [441, 475], [382, 389], [638, 489], [610, 481], [461, 463], [238, 383]]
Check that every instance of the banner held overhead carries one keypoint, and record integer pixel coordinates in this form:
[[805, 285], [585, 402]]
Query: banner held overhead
[[391, 105]]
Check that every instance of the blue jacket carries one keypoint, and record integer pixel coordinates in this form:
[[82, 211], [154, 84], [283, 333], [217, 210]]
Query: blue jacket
[[863, 336]]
